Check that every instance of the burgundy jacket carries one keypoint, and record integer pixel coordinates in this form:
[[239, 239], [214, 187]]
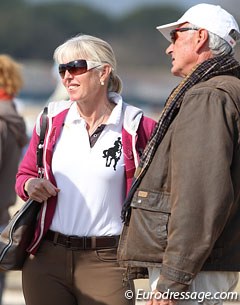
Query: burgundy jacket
[[135, 134]]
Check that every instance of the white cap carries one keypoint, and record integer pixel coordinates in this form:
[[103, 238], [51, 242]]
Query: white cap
[[210, 17]]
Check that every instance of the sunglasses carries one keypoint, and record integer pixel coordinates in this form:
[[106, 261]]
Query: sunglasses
[[77, 67], [173, 33]]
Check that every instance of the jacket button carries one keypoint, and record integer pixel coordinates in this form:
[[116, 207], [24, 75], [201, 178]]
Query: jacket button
[[139, 201]]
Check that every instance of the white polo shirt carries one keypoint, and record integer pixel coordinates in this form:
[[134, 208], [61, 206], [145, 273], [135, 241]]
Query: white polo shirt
[[91, 180]]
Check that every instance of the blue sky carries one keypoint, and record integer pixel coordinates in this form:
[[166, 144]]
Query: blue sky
[[121, 7]]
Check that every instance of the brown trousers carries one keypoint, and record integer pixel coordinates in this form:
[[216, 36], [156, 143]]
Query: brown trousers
[[58, 275]]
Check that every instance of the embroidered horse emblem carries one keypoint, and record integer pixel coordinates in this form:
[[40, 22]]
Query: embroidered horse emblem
[[113, 153]]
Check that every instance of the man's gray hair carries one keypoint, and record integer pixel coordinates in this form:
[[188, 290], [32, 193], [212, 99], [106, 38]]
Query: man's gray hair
[[217, 45]]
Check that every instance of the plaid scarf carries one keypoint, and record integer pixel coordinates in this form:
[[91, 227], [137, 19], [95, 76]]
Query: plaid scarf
[[222, 65]]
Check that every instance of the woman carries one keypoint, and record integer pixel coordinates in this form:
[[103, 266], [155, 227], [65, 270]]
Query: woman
[[13, 138], [91, 151]]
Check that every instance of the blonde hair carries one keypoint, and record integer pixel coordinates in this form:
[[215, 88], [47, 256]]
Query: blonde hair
[[10, 75], [90, 48]]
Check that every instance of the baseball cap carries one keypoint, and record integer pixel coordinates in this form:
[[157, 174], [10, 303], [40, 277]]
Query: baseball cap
[[213, 18]]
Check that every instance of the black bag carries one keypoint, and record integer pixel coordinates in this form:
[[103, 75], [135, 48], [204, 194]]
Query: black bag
[[17, 235]]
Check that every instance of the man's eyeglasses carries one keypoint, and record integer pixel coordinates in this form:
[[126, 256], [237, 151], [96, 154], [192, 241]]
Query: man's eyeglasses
[[77, 67], [174, 32]]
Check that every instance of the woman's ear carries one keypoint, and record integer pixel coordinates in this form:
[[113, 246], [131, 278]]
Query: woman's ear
[[105, 73]]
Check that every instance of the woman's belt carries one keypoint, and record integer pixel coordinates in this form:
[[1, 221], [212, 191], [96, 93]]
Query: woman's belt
[[82, 243]]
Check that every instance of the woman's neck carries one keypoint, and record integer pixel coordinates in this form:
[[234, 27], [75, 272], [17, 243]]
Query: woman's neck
[[95, 115]]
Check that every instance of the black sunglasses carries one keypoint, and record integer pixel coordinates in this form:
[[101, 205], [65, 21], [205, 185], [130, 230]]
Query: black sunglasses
[[77, 67], [174, 32]]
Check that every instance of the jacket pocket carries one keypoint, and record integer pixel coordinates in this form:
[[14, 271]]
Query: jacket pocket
[[145, 239]]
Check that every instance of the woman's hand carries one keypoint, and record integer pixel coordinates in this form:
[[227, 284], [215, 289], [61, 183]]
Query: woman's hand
[[40, 189]]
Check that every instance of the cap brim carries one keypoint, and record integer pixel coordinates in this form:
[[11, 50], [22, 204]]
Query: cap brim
[[167, 28]]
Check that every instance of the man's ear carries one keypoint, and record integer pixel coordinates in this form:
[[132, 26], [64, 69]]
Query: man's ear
[[202, 38]]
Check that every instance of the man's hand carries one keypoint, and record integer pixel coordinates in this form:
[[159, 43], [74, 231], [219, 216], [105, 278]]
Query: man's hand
[[40, 189]]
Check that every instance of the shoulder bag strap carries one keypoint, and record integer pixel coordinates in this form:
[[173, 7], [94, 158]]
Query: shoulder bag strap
[[44, 122]]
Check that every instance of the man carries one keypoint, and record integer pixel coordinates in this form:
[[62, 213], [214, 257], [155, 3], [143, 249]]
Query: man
[[182, 215]]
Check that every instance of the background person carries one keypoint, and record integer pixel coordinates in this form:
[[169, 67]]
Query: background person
[[92, 147], [183, 212], [13, 138]]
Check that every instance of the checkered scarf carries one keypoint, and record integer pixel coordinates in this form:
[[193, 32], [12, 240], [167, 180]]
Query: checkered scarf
[[222, 65]]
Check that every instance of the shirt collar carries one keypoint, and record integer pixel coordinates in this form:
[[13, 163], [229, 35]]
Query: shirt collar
[[73, 115], [116, 114]]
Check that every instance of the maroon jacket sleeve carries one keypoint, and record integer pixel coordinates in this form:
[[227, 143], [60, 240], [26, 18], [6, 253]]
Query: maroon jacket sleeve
[[144, 133], [28, 166]]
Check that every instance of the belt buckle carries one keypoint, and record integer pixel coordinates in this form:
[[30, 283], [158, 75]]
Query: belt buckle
[[68, 241]]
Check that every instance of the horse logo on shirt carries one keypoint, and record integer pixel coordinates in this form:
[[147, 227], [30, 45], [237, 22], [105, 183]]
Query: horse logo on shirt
[[113, 153]]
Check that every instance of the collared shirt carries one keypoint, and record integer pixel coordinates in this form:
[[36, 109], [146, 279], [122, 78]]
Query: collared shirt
[[91, 179]]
